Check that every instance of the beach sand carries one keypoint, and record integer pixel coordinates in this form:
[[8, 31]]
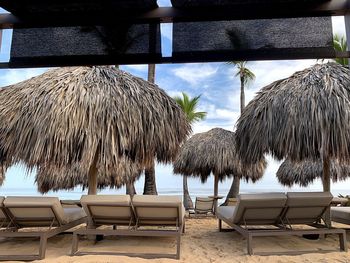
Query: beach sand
[[201, 243]]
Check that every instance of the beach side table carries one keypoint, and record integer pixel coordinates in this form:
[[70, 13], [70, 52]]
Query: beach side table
[[216, 198]]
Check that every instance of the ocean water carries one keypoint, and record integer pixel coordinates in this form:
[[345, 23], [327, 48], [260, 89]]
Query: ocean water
[[195, 192], [18, 183]]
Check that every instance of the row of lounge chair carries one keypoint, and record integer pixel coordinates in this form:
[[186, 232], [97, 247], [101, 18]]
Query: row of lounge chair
[[20, 213], [160, 216], [285, 214]]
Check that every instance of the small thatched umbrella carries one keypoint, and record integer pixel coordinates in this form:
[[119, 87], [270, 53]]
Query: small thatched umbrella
[[305, 116], [53, 178], [214, 152], [91, 116], [305, 172]]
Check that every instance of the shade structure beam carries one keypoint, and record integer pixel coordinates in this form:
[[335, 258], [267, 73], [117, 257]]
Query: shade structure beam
[[173, 15], [347, 30], [249, 55]]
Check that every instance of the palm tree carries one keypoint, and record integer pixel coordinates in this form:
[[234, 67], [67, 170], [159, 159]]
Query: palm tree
[[246, 76], [339, 44], [150, 187], [189, 106]]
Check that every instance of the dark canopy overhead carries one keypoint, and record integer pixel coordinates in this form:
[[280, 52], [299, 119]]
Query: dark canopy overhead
[[305, 172], [70, 33], [236, 3], [254, 39], [99, 44], [44, 8]]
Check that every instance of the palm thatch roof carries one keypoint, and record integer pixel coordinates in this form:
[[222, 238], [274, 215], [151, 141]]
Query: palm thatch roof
[[214, 152], [305, 172], [71, 115], [305, 116], [53, 178]]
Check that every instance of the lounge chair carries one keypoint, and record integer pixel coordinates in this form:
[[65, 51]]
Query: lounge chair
[[280, 211], [232, 201], [341, 214], [203, 206], [42, 212], [143, 210], [115, 210]]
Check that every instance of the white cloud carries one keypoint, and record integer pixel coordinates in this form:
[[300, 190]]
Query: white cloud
[[12, 76], [338, 25], [142, 68], [195, 73]]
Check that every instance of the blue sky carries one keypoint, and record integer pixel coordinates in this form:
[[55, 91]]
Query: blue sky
[[220, 91]]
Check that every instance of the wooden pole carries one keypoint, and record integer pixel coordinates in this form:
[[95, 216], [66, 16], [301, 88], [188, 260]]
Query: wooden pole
[[326, 179], [216, 187], [92, 180]]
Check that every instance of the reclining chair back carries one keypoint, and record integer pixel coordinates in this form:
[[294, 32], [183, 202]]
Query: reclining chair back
[[109, 209], [255, 209], [158, 210], [204, 205], [35, 211], [306, 207]]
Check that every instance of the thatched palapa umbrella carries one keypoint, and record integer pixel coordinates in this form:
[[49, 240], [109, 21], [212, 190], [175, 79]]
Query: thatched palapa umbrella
[[305, 116], [53, 178], [214, 152], [88, 115], [305, 172]]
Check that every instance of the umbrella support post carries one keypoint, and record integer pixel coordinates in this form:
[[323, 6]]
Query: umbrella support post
[[216, 186], [92, 184], [327, 186]]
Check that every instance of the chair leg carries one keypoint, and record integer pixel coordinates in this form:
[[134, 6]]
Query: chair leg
[[75, 242], [250, 244], [342, 242], [183, 227], [178, 245], [42, 246], [220, 225]]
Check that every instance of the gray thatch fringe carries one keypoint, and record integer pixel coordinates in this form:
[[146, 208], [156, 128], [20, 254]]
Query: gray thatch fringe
[[305, 172], [52, 178]]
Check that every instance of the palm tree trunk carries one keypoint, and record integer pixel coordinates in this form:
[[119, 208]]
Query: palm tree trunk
[[242, 93], [150, 187], [234, 189], [151, 73], [130, 189], [188, 204]]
